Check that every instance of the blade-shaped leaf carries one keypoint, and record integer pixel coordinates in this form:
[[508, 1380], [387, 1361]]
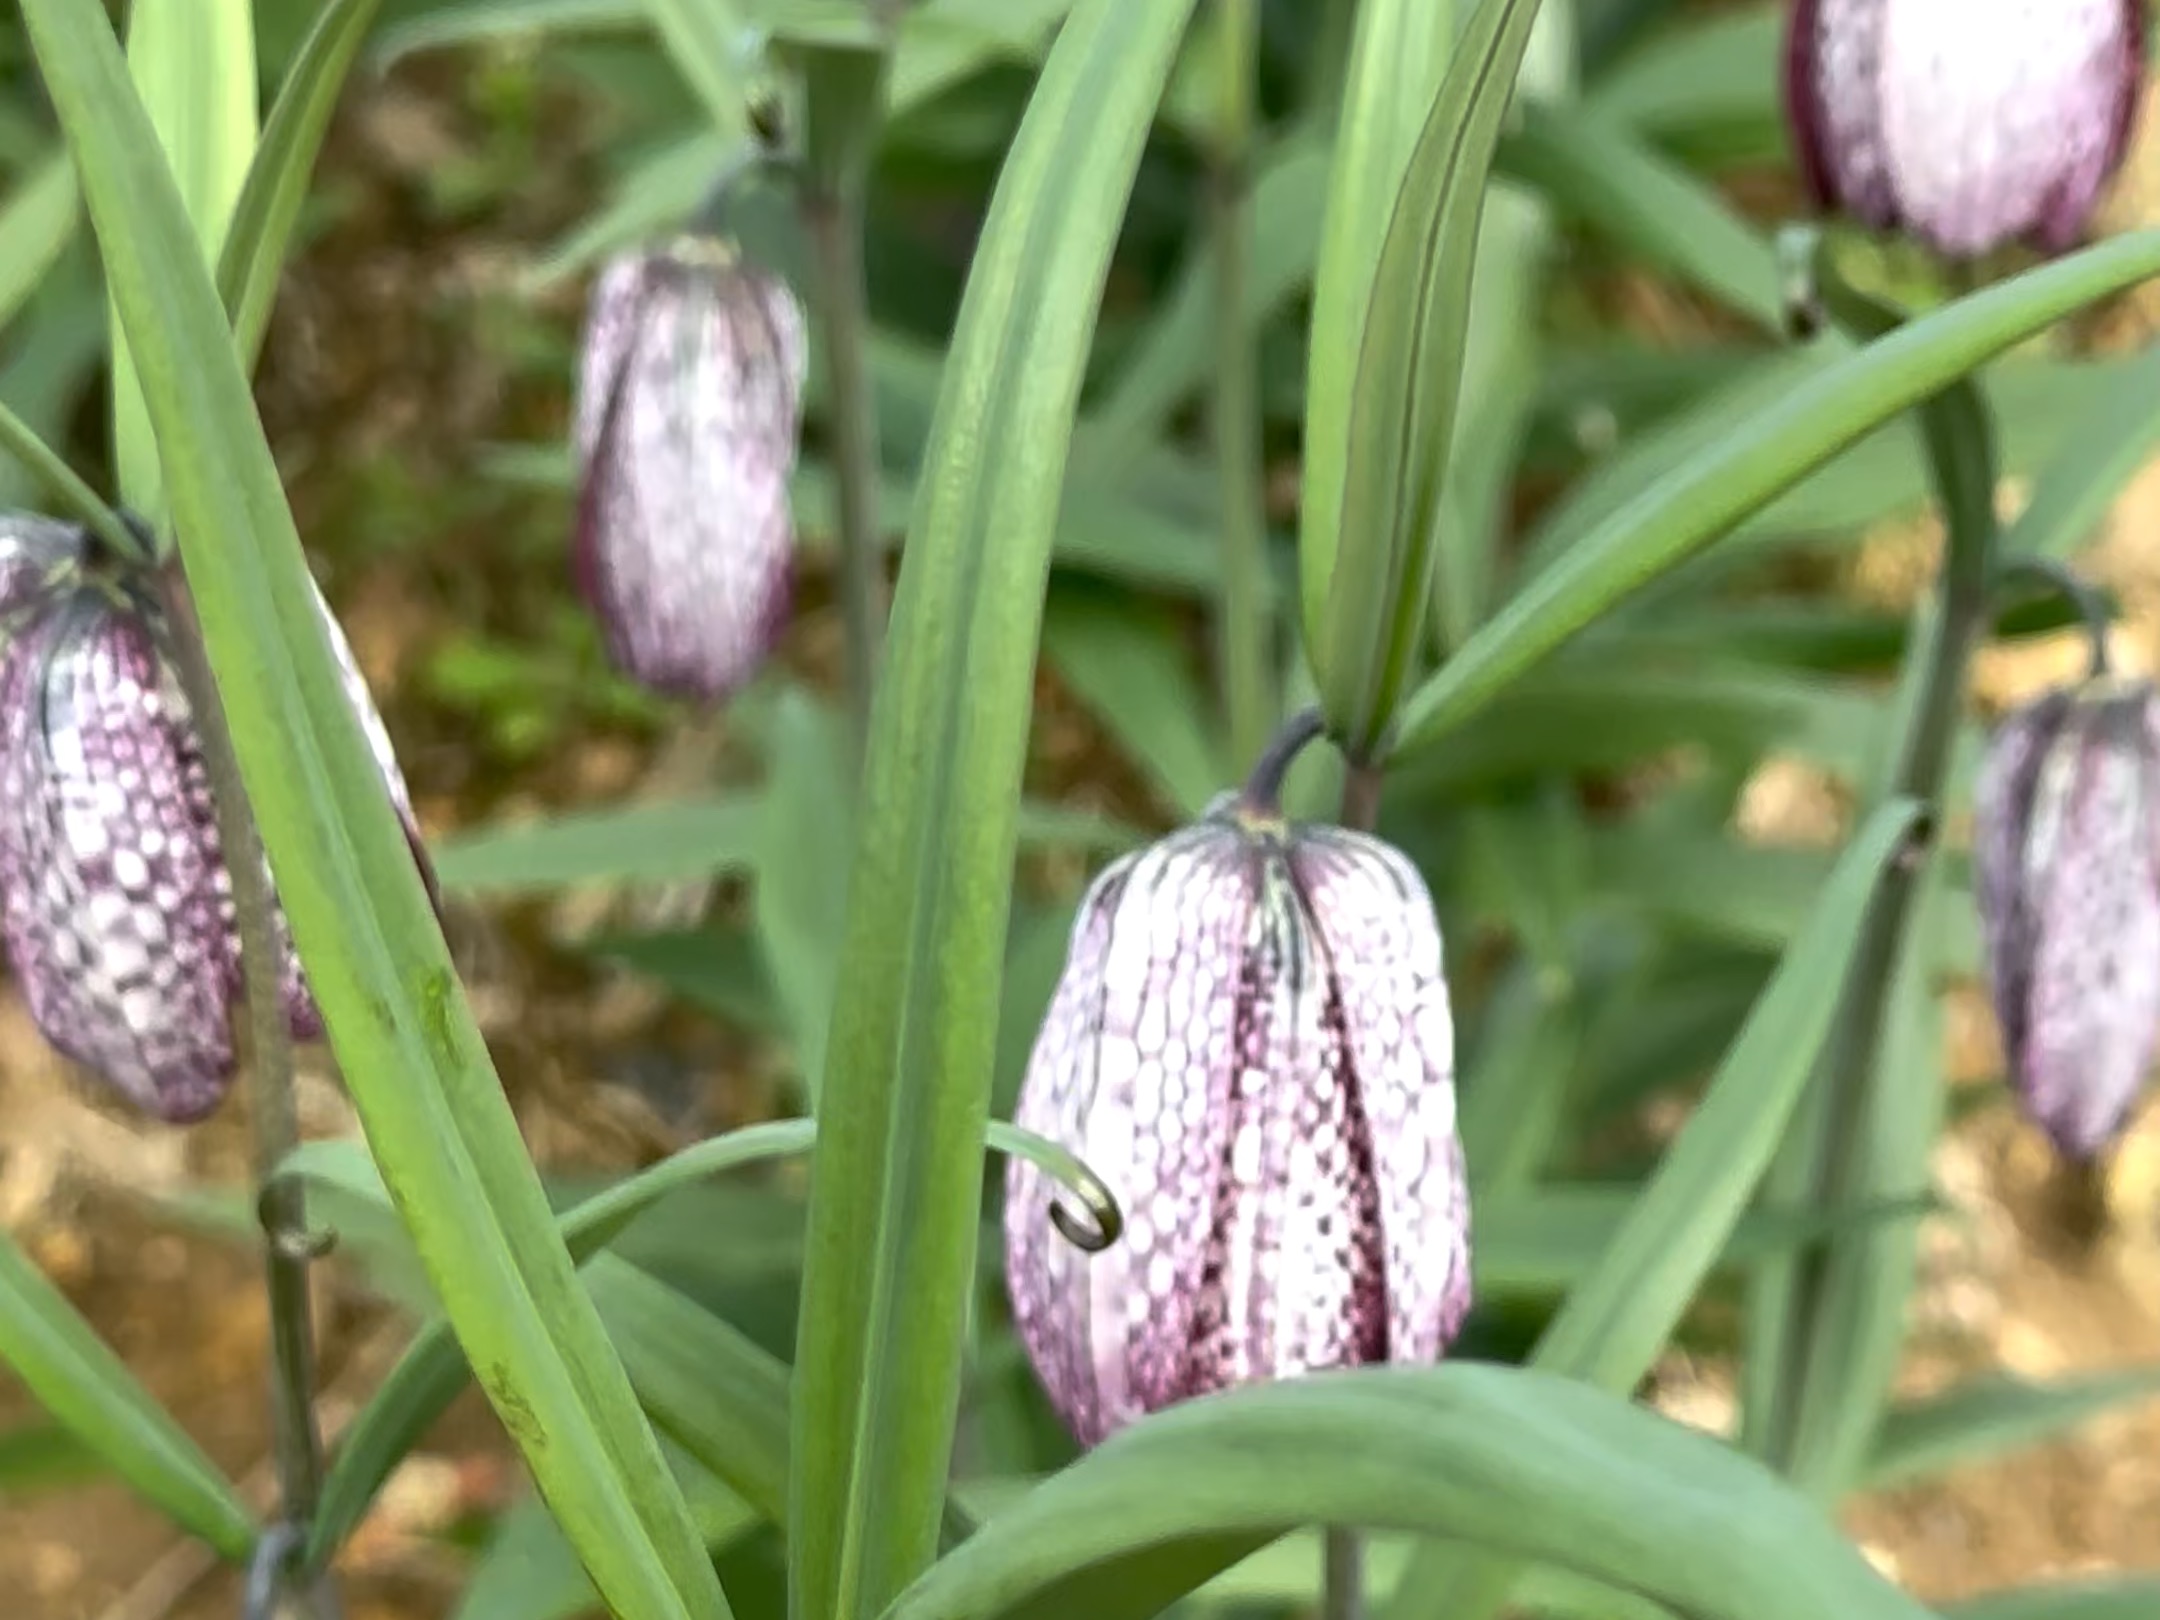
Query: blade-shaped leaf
[[1610, 1330], [36, 225], [1988, 1416], [1702, 498], [256, 241], [414, 1059], [86, 1388], [1540, 1468], [711, 45], [1373, 552], [194, 67], [896, 1180], [805, 832]]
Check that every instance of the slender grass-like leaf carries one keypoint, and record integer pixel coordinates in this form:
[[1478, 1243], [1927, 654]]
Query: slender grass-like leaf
[[260, 233], [193, 63], [433, 1370], [1517, 1462], [36, 224], [2110, 441], [1991, 1415], [2126, 1598], [806, 824], [1130, 669], [62, 484], [679, 838], [1374, 549], [1705, 496], [1398, 62], [1597, 171], [1610, 1330], [375, 955], [69, 1371], [896, 1183], [711, 44]]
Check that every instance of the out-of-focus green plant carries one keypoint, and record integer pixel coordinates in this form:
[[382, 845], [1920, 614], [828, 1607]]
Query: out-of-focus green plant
[[1088, 280]]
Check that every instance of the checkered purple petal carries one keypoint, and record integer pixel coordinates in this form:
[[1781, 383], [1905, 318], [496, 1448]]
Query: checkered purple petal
[[688, 419]]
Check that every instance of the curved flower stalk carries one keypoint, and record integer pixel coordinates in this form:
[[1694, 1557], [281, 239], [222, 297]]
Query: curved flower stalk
[[688, 411], [2066, 874], [1970, 123], [1251, 1041], [115, 905]]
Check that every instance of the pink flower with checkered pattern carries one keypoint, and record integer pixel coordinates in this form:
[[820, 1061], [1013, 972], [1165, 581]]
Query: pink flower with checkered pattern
[[2066, 875], [1251, 1044], [688, 411]]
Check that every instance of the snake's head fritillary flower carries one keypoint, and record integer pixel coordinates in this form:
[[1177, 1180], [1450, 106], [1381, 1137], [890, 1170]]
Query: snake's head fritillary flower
[[2066, 875], [115, 904], [1970, 123], [1251, 1045], [688, 412]]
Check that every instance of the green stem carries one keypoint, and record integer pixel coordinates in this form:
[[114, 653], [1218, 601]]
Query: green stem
[[1342, 1575], [1243, 629], [296, 1443], [1813, 1425], [845, 95], [20, 440]]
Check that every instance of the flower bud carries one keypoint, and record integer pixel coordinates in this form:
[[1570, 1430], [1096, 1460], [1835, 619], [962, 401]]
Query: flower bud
[[1251, 1045], [1970, 123], [689, 393], [2066, 874], [115, 905]]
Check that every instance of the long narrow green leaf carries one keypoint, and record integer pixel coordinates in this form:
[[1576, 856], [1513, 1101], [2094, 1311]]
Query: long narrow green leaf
[[432, 1370], [2131, 1598], [194, 66], [1610, 1329], [70, 1372], [1398, 61], [36, 225], [710, 43], [256, 241], [2113, 437], [417, 1066], [1539, 1468], [1987, 1416], [1596, 171], [897, 1175], [1375, 550], [1705, 496]]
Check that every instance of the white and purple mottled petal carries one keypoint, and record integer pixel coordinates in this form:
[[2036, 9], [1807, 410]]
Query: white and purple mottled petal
[[687, 423], [2003, 795], [1384, 940], [1833, 95], [113, 901], [2093, 997], [2003, 118], [36, 556]]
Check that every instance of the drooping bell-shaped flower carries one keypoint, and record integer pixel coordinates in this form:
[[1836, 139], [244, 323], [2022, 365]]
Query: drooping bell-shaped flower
[[2066, 875], [688, 411], [1251, 1044], [1970, 123], [115, 905]]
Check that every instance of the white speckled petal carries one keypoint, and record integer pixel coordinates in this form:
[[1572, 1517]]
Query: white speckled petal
[[1384, 941], [2002, 118], [1834, 91], [2092, 881], [685, 543], [36, 555], [2003, 794]]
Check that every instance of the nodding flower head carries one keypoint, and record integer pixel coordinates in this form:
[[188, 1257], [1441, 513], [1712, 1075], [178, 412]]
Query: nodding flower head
[[1251, 1044], [1970, 123], [115, 904], [688, 411], [2066, 875]]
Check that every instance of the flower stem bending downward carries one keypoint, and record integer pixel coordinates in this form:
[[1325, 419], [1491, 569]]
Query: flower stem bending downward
[[2091, 609], [287, 1252], [1816, 1391]]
